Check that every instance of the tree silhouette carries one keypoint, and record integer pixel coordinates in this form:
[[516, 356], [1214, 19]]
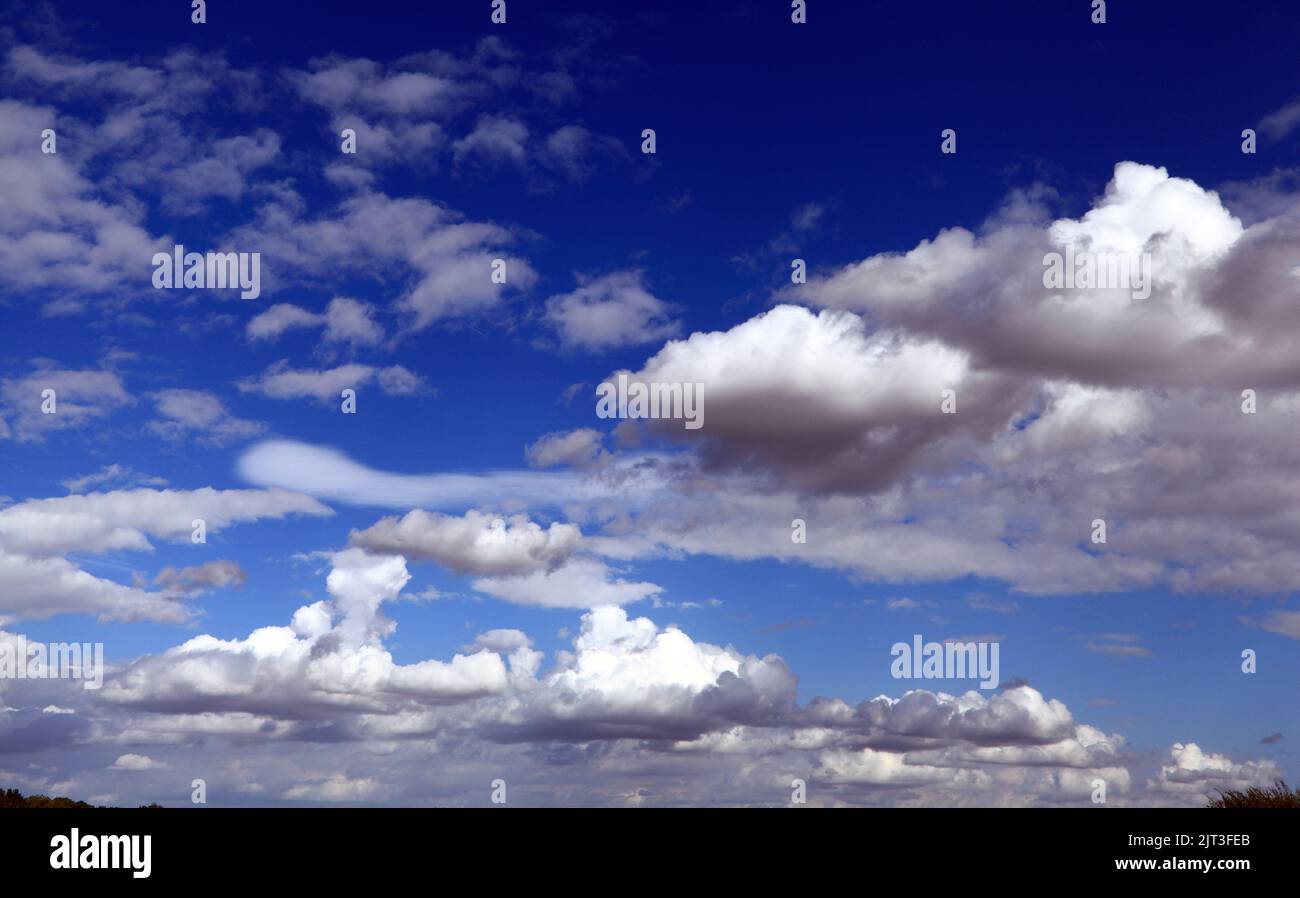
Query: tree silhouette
[[12, 798]]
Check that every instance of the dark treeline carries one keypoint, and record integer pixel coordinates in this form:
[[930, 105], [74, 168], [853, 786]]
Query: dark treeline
[[12, 798]]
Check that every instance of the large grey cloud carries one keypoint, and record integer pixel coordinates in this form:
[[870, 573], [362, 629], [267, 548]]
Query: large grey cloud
[[1070, 405]]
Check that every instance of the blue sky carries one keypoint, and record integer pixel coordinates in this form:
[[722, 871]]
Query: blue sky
[[775, 141]]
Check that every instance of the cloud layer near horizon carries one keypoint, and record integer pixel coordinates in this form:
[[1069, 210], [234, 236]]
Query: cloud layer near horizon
[[642, 705]]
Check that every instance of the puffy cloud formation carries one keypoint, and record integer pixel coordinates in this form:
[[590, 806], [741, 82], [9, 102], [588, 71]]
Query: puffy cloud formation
[[200, 415], [200, 577], [476, 543], [339, 83], [514, 558], [76, 398], [610, 311], [346, 321], [125, 519], [445, 258], [402, 112], [137, 762], [1067, 405], [581, 583], [57, 218], [819, 396], [39, 587], [639, 705], [1193, 772], [494, 138], [577, 153], [1217, 313], [575, 448], [37, 581], [139, 138], [330, 657], [279, 381], [627, 678]]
